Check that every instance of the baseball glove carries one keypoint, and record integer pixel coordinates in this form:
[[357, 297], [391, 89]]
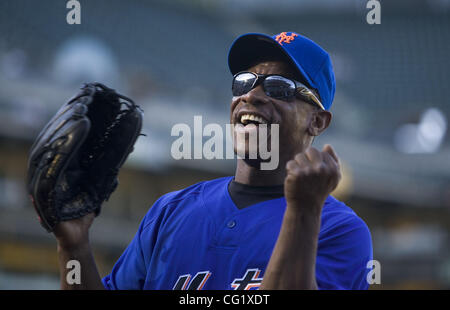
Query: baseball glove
[[74, 162]]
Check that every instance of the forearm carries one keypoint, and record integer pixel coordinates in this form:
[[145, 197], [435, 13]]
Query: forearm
[[293, 260], [89, 276]]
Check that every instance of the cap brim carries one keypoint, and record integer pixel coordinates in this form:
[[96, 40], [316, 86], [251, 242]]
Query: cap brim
[[247, 49]]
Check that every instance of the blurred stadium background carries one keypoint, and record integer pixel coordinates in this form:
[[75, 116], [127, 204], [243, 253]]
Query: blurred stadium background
[[390, 126]]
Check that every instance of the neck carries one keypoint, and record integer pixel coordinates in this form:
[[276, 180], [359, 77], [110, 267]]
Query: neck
[[250, 175]]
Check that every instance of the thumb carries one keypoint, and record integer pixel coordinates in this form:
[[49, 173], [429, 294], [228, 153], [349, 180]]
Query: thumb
[[329, 149]]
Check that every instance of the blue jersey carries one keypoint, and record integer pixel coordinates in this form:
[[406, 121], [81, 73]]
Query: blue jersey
[[197, 238]]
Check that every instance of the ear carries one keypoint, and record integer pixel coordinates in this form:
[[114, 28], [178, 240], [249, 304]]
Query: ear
[[319, 121]]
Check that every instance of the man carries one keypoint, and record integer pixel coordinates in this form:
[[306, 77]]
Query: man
[[267, 229]]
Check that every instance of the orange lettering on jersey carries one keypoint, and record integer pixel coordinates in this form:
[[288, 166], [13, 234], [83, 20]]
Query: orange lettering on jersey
[[284, 38]]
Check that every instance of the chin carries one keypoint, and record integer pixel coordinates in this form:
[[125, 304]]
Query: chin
[[249, 147], [254, 162]]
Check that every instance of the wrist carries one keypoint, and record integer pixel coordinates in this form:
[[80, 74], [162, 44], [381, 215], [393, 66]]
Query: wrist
[[306, 208], [305, 223], [70, 247], [302, 217]]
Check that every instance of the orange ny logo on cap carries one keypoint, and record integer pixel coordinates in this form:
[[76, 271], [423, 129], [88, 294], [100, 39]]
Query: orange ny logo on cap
[[284, 38]]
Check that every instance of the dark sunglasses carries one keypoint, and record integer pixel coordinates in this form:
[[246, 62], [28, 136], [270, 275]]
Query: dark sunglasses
[[274, 86]]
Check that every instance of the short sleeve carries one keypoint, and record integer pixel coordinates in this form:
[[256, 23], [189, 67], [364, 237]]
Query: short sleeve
[[130, 271], [343, 253]]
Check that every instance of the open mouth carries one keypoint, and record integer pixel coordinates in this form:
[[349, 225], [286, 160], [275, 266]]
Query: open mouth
[[251, 118], [253, 135]]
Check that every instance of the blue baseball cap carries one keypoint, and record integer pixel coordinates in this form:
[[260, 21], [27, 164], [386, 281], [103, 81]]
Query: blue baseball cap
[[312, 62]]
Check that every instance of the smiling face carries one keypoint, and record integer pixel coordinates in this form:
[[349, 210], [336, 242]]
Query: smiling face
[[298, 120]]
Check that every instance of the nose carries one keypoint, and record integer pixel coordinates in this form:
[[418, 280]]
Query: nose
[[256, 96]]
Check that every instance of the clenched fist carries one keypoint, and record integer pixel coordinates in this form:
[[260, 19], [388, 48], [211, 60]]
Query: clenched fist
[[311, 177]]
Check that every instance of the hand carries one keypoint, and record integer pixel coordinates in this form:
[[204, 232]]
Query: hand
[[311, 177], [73, 234]]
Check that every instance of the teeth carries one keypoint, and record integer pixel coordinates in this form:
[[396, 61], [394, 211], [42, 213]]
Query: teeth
[[249, 117]]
